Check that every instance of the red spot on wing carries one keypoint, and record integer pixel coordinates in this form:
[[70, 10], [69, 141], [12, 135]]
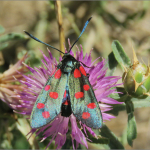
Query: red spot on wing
[[86, 115], [47, 87], [91, 105], [82, 70], [86, 87], [66, 102], [53, 95], [40, 105], [57, 74], [77, 73], [45, 114], [79, 95], [65, 94]]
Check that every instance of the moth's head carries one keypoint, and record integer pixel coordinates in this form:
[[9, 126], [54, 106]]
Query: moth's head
[[68, 62], [67, 56]]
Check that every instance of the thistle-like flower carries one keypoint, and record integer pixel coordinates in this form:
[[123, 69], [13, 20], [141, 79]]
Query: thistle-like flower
[[58, 128], [8, 85]]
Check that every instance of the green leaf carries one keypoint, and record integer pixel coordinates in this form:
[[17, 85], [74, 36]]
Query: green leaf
[[124, 137], [120, 54], [12, 36], [131, 129], [2, 30], [111, 64], [114, 143], [116, 109], [4, 45]]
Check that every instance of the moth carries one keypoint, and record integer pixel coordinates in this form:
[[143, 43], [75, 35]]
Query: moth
[[68, 91]]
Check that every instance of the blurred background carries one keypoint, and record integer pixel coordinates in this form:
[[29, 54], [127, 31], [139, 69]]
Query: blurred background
[[126, 21]]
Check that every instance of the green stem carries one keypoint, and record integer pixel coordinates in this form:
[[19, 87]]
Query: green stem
[[114, 143]]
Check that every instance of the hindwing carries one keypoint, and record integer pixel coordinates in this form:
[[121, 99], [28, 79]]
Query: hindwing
[[49, 101], [83, 101]]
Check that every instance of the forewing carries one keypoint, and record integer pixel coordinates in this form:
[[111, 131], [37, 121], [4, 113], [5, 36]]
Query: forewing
[[48, 103], [83, 101]]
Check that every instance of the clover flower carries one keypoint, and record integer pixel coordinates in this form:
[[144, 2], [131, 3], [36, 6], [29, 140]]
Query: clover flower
[[57, 129]]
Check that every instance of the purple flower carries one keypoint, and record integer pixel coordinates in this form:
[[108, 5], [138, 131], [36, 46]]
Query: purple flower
[[58, 129]]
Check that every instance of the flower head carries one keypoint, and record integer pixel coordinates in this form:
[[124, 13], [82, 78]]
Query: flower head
[[8, 85], [58, 128]]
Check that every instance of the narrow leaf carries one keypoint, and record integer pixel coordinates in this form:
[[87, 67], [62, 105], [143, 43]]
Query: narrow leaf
[[131, 130], [111, 64], [120, 54], [116, 109], [2, 46], [12, 36]]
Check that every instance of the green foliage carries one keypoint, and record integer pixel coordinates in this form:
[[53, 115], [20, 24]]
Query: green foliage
[[12, 36], [120, 54], [131, 130], [111, 64]]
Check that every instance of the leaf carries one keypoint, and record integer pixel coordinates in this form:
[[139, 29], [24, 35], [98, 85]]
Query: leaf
[[124, 137], [111, 64], [114, 143], [2, 30], [116, 109], [12, 36], [131, 129], [3, 45], [120, 54]]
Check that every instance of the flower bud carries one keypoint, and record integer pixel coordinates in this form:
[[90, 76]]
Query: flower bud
[[136, 79]]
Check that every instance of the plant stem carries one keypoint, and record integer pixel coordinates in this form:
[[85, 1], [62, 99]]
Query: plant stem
[[60, 23], [114, 143]]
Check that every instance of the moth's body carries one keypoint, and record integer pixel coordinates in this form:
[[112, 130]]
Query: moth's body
[[67, 65]]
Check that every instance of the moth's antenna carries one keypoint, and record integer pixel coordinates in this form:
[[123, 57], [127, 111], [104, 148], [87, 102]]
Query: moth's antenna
[[41, 41], [81, 32]]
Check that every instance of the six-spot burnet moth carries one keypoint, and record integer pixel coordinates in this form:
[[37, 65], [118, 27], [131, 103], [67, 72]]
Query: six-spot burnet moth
[[67, 91]]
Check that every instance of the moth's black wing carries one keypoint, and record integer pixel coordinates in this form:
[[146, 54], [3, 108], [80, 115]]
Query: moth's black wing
[[83, 101], [49, 101]]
